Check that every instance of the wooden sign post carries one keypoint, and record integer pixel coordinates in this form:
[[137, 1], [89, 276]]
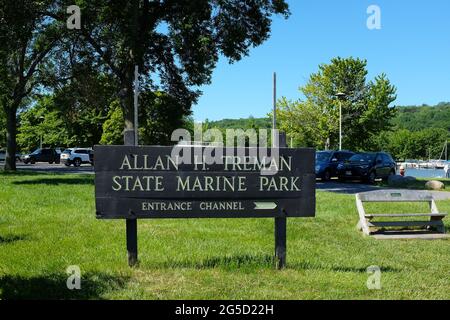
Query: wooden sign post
[[149, 182], [280, 222], [131, 222]]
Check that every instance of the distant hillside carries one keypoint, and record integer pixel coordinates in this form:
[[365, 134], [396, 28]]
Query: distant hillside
[[413, 118], [416, 118], [243, 123]]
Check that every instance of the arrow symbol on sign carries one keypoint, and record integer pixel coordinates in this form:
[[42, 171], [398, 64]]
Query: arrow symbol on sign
[[265, 205]]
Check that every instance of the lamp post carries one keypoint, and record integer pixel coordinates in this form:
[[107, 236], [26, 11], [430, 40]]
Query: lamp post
[[340, 96], [40, 131]]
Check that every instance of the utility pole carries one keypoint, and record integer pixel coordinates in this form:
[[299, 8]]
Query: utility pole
[[280, 222], [136, 106], [42, 118], [340, 96], [274, 116]]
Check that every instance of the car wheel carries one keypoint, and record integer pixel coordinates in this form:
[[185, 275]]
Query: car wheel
[[327, 175], [77, 162], [67, 164], [371, 177], [50, 162]]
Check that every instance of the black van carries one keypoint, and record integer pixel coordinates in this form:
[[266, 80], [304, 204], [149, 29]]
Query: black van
[[42, 155], [328, 161], [368, 166]]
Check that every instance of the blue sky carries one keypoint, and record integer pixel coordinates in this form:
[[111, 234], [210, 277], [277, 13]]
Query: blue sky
[[412, 48]]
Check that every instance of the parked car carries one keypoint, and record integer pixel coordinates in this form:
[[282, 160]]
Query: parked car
[[42, 155], [77, 156], [367, 166], [3, 156], [328, 161]]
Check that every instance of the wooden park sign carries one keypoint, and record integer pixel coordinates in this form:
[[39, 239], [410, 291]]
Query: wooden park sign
[[151, 182]]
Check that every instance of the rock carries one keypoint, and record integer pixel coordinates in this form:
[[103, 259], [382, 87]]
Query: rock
[[399, 181], [434, 185]]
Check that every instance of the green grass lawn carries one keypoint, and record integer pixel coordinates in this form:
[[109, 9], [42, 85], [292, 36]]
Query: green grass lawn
[[47, 223]]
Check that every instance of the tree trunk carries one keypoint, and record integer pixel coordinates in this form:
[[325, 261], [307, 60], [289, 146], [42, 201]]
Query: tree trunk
[[11, 144]]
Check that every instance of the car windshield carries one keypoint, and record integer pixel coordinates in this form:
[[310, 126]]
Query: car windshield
[[363, 157], [68, 151], [37, 151], [323, 156]]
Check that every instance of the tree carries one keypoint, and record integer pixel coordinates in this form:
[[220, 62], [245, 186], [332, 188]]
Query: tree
[[27, 37], [175, 44], [404, 144], [308, 125], [160, 114], [366, 106], [2, 129], [42, 121], [113, 126], [85, 101]]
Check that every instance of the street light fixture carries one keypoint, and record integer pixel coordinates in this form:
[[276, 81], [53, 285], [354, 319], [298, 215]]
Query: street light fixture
[[340, 96]]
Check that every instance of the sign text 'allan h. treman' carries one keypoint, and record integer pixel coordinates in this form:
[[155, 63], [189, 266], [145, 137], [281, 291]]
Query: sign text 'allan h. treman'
[[149, 182]]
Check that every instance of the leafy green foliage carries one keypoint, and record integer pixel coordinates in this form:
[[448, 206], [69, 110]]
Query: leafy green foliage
[[416, 118], [160, 115], [366, 106], [113, 126], [405, 144], [42, 121], [27, 37], [85, 102], [2, 129], [176, 42], [245, 123], [415, 132]]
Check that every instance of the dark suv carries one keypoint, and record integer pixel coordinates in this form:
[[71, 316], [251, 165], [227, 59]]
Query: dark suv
[[42, 155], [328, 161], [367, 166]]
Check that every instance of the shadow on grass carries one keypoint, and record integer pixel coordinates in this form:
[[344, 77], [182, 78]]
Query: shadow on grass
[[262, 261], [57, 181], [419, 184], [18, 173], [309, 266], [237, 261], [12, 238], [54, 287]]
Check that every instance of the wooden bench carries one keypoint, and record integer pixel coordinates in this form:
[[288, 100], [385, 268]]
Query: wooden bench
[[367, 222]]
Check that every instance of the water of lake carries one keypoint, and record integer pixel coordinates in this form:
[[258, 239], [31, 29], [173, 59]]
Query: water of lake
[[425, 173]]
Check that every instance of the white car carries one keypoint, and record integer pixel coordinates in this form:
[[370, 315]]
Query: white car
[[77, 156], [3, 156]]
